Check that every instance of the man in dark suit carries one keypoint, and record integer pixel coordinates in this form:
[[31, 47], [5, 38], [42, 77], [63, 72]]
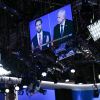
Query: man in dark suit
[[63, 30], [41, 39]]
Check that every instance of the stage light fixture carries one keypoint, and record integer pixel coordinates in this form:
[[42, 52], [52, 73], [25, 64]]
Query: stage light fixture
[[44, 74], [99, 76], [7, 90], [67, 80], [17, 88], [72, 71], [24, 87], [94, 30]]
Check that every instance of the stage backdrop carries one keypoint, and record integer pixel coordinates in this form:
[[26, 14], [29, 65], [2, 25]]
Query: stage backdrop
[[50, 95]]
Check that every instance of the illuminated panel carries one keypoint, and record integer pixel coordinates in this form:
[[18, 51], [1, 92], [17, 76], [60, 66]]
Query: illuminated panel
[[94, 30]]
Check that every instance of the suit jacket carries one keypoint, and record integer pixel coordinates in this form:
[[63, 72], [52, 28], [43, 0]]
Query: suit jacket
[[45, 35], [68, 29]]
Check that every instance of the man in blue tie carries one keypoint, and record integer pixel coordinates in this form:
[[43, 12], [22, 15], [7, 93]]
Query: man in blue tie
[[62, 33], [41, 38], [63, 28]]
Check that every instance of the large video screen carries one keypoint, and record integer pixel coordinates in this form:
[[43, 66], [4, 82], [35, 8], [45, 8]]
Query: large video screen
[[52, 30]]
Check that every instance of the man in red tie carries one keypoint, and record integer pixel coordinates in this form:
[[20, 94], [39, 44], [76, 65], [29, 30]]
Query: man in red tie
[[41, 39]]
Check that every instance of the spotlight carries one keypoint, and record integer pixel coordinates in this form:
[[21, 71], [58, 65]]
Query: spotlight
[[17, 88], [44, 74], [73, 71], [24, 87], [7, 91], [99, 76], [67, 80]]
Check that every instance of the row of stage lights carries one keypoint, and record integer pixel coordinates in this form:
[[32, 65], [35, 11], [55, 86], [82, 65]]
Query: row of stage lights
[[11, 89], [72, 71], [30, 90], [44, 74]]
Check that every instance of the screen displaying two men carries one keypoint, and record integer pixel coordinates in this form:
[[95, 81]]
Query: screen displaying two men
[[52, 30]]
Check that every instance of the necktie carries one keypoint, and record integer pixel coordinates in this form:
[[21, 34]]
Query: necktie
[[62, 30], [40, 41]]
